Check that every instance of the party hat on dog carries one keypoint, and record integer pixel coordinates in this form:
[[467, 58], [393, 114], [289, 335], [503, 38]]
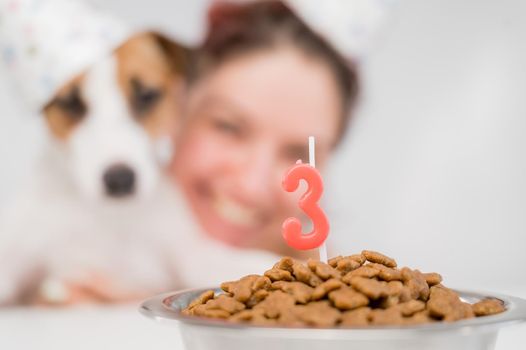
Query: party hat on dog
[[45, 43]]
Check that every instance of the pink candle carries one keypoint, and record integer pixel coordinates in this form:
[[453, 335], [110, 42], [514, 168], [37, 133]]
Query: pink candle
[[309, 204]]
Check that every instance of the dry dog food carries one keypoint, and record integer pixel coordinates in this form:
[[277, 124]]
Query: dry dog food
[[353, 291]]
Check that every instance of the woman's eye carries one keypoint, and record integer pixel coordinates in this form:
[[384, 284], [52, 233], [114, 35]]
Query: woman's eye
[[72, 104], [144, 98], [227, 127]]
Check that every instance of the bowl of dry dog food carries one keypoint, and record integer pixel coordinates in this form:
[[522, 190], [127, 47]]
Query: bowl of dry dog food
[[361, 301]]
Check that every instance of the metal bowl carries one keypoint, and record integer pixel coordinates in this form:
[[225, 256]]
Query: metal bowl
[[200, 333]]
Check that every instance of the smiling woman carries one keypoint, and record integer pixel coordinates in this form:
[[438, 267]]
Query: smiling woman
[[260, 85]]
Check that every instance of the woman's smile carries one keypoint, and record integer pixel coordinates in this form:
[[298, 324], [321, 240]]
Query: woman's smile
[[225, 217], [231, 211]]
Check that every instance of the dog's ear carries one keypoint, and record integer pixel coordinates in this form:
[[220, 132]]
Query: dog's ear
[[177, 54]]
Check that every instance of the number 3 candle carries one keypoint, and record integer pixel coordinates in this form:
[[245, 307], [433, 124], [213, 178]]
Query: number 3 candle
[[309, 204]]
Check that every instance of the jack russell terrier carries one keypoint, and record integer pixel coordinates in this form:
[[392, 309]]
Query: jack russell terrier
[[100, 203]]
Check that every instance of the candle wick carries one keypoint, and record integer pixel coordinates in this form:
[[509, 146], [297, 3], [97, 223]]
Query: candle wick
[[322, 249], [312, 154]]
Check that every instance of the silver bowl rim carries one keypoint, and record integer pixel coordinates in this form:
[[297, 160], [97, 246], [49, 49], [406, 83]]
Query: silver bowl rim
[[160, 308]]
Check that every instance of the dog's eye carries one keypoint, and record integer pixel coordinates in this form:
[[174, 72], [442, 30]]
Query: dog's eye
[[72, 104], [144, 97]]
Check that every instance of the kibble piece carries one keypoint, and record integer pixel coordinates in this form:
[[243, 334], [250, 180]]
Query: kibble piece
[[303, 274], [488, 307], [441, 302], [348, 264], [278, 275], [394, 288], [378, 258], [405, 294], [445, 304], [253, 316], [226, 303], [256, 297], [300, 291], [387, 302], [356, 318], [243, 316], [416, 283], [241, 290], [411, 307], [359, 258], [363, 271], [285, 264], [247, 315], [323, 289], [262, 282], [386, 273], [421, 281], [203, 311], [418, 318], [334, 261], [462, 311], [371, 288], [466, 311], [391, 316], [346, 298], [322, 270], [318, 314], [275, 303], [289, 318], [432, 278], [202, 299]]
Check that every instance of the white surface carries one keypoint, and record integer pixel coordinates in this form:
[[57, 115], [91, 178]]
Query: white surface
[[124, 328], [84, 328]]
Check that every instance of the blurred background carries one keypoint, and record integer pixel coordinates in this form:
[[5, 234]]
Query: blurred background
[[433, 168]]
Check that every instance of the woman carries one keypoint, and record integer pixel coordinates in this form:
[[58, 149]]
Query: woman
[[260, 85]]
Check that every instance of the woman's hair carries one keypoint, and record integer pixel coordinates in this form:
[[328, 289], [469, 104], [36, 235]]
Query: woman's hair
[[239, 28]]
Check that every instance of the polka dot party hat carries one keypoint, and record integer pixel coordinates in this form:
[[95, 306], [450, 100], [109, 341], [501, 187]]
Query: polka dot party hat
[[350, 25], [45, 43]]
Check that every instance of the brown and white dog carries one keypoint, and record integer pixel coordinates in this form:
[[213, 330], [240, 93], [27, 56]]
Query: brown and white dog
[[100, 206]]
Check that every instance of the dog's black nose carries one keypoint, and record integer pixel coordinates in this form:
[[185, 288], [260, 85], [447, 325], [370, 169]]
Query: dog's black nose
[[119, 180]]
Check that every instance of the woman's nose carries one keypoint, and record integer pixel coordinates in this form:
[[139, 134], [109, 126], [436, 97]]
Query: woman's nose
[[257, 180]]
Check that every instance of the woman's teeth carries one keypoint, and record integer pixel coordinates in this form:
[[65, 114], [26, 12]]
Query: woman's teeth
[[236, 214]]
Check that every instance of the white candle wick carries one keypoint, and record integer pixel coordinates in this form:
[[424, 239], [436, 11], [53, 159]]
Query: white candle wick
[[312, 153], [322, 249]]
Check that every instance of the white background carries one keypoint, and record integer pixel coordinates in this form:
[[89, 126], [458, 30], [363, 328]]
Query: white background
[[433, 171]]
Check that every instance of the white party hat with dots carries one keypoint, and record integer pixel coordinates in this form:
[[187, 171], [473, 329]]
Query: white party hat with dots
[[45, 43], [349, 25]]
